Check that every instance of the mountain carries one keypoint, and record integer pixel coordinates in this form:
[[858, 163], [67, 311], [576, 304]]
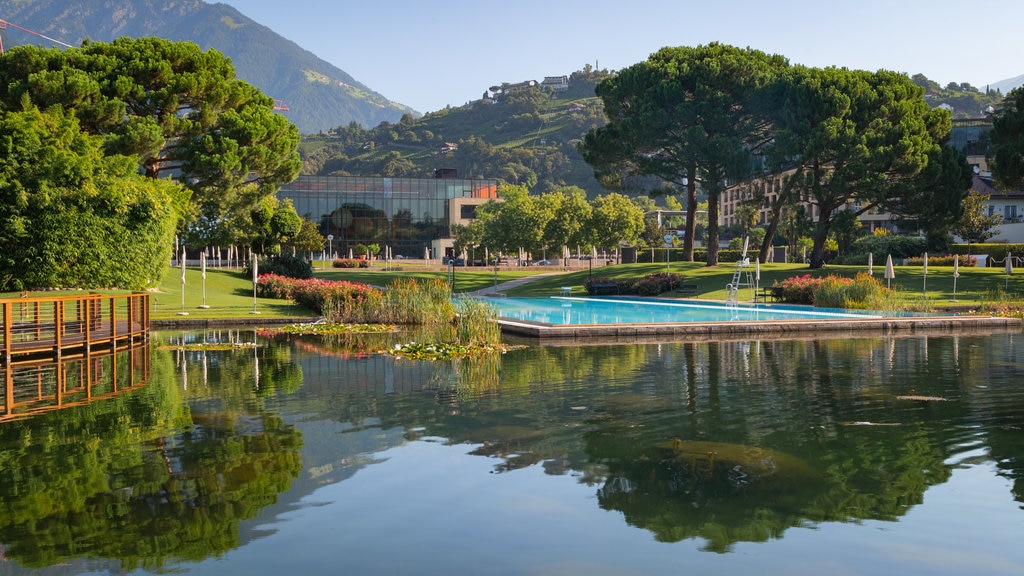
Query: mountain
[[1005, 86], [318, 95]]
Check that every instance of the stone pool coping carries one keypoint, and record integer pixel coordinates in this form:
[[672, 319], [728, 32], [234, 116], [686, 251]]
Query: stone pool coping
[[925, 325]]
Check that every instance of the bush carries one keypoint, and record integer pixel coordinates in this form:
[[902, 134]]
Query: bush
[[800, 289], [311, 292], [995, 251], [286, 265], [861, 292], [882, 246], [941, 260], [350, 263], [650, 285]]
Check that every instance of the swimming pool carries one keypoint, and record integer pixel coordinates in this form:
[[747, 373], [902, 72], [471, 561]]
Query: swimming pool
[[574, 311]]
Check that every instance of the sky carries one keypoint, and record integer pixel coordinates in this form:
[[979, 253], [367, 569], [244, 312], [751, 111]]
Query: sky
[[431, 54]]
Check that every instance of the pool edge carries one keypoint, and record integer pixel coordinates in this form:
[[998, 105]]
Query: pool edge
[[713, 330]]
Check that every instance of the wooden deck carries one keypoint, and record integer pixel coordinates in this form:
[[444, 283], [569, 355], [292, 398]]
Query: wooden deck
[[41, 327]]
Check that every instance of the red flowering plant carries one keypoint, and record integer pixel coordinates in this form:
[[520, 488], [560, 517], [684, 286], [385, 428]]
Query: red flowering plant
[[313, 292], [800, 289]]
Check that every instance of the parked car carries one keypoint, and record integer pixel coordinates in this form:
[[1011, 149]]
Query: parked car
[[544, 263]]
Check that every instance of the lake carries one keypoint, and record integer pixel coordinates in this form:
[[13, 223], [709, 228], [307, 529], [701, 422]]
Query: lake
[[876, 455]]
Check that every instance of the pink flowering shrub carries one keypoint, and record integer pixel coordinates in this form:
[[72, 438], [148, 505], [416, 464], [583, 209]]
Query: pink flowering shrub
[[800, 289], [650, 285], [312, 293]]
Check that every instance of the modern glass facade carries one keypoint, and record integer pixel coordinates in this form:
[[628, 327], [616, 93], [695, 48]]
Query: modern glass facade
[[407, 215]]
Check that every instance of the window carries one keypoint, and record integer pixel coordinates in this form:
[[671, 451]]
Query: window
[[1010, 213]]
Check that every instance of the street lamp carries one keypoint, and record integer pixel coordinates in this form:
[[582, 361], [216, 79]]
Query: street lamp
[[330, 246]]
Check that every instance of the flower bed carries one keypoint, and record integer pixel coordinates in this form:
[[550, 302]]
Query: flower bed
[[312, 292], [650, 285]]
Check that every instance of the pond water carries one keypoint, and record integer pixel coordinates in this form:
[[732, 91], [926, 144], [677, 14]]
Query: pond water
[[572, 311], [882, 455]]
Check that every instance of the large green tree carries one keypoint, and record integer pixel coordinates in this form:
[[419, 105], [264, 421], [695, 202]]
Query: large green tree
[[855, 136], [73, 216], [616, 219], [975, 224], [685, 115], [1007, 155], [177, 109], [570, 213]]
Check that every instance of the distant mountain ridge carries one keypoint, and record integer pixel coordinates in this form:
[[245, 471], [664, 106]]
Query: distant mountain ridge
[[319, 96], [1005, 86]]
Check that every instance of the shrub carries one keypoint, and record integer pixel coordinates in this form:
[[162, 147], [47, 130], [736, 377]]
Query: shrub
[[312, 293], [654, 284], [350, 263], [799, 289], [286, 265], [650, 285], [882, 246], [965, 260], [861, 292]]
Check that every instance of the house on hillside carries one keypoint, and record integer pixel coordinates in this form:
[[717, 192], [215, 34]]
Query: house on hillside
[[449, 147], [556, 84], [577, 107], [518, 86]]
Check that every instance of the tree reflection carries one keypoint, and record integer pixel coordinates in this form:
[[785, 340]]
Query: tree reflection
[[157, 476]]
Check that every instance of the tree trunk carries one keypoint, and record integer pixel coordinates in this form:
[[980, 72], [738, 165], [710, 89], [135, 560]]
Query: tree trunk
[[773, 226], [712, 230], [820, 236], [691, 218]]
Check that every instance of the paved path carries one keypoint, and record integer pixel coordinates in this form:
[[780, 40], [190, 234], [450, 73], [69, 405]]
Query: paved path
[[503, 286]]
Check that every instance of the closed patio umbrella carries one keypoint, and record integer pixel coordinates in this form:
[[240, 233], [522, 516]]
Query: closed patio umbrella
[[925, 275], [956, 274], [1009, 269], [871, 264], [890, 273]]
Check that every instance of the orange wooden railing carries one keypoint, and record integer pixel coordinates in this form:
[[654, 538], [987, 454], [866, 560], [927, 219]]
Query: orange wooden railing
[[33, 386], [59, 325]]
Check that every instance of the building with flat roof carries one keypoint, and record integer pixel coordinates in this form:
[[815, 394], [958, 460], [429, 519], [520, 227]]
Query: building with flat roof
[[407, 215]]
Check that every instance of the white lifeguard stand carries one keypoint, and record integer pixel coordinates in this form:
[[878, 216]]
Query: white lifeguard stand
[[732, 290]]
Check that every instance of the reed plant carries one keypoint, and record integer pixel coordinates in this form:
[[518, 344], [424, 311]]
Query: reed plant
[[421, 302], [476, 323]]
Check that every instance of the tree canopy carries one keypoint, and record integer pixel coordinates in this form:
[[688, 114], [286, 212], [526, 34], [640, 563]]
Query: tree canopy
[[76, 217], [176, 109], [1007, 156], [719, 116], [685, 115]]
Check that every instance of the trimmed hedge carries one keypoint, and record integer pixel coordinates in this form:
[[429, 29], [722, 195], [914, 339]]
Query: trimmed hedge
[[994, 251]]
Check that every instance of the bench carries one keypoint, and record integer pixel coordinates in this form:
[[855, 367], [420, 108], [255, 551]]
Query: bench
[[773, 292], [686, 290], [600, 288]]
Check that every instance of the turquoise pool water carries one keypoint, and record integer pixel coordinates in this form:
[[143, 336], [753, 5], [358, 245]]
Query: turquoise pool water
[[569, 311]]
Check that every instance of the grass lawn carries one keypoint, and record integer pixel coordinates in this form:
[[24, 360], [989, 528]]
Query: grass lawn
[[229, 292], [974, 286]]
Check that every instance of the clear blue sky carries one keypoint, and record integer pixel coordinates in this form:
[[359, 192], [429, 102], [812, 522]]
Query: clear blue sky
[[429, 54]]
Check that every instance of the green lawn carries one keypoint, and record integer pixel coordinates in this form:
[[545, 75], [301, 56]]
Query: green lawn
[[975, 285], [229, 293]]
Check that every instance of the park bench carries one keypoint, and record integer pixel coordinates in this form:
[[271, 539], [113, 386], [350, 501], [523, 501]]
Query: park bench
[[603, 288], [687, 290]]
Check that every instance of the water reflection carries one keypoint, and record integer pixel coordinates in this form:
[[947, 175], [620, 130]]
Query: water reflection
[[719, 442], [163, 473]]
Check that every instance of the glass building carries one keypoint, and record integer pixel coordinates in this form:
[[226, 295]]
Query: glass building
[[407, 215]]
